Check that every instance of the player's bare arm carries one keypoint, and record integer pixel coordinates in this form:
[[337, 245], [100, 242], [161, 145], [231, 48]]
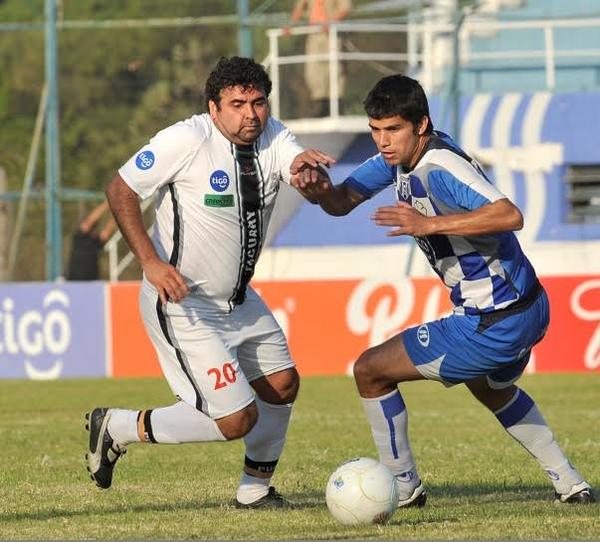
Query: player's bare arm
[[125, 207], [339, 200], [314, 183], [497, 217]]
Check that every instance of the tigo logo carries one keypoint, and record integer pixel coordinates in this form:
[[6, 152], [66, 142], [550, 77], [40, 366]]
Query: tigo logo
[[144, 160], [37, 333], [219, 180], [423, 335]]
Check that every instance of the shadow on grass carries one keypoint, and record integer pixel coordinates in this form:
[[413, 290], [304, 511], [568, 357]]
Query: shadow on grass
[[470, 495], [495, 492], [478, 493], [302, 501]]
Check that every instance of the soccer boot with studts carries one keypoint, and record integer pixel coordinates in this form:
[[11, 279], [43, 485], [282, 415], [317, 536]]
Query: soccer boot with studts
[[273, 499], [103, 451], [579, 494], [417, 498]]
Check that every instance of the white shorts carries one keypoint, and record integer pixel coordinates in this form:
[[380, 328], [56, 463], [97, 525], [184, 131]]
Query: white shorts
[[209, 357]]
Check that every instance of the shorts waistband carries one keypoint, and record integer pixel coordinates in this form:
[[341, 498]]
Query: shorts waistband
[[488, 319]]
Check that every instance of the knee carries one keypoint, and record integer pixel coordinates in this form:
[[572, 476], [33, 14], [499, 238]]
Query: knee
[[364, 375], [501, 398], [280, 388], [493, 399], [239, 423], [288, 390]]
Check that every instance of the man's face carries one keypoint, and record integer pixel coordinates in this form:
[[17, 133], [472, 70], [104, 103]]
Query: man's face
[[242, 114], [398, 140]]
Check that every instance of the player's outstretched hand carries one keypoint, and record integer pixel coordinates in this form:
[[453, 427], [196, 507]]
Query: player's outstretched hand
[[407, 219], [304, 168], [167, 280], [312, 183]]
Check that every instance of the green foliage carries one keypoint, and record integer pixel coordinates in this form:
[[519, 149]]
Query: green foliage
[[117, 86], [16, 11], [481, 484]]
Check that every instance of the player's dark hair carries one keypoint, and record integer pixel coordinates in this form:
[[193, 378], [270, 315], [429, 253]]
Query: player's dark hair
[[232, 72], [398, 95]]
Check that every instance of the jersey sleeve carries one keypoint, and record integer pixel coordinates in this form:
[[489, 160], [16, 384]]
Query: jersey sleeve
[[287, 149], [158, 163], [460, 184], [371, 177]]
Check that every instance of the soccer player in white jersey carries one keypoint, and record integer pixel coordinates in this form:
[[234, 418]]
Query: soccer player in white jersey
[[215, 177], [465, 226]]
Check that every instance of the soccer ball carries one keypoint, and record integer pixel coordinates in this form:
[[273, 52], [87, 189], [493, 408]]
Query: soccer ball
[[362, 490]]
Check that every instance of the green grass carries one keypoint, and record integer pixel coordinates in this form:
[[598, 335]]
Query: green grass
[[481, 484]]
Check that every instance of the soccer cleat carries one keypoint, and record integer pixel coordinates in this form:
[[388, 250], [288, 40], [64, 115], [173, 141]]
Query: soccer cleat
[[417, 499], [103, 451], [579, 494], [273, 499]]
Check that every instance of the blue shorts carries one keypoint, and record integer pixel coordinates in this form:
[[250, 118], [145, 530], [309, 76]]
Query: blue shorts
[[463, 347]]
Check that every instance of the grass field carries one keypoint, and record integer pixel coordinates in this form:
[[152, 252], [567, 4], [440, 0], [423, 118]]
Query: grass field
[[481, 484]]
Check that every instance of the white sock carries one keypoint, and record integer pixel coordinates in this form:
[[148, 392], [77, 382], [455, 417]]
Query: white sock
[[252, 488], [389, 425], [174, 424], [524, 422], [264, 444], [181, 422], [122, 426]]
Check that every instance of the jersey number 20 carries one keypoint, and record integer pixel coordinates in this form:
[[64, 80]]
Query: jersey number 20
[[225, 375]]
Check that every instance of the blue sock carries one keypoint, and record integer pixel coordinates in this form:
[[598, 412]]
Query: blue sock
[[388, 418]]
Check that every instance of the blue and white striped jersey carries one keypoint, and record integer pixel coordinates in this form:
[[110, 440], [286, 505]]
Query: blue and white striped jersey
[[485, 273]]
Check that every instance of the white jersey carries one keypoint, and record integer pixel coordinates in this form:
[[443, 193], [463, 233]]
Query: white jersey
[[213, 204]]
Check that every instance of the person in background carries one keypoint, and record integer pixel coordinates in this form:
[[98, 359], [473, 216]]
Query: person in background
[[87, 244], [316, 72]]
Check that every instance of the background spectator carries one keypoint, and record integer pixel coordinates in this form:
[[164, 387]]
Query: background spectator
[[316, 72], [88, 241]]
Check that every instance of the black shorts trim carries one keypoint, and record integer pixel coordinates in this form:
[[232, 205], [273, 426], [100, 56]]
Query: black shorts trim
[[162, 319], [488, 319]]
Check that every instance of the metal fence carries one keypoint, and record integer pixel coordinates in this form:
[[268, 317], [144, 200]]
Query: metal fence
[[538, 46]]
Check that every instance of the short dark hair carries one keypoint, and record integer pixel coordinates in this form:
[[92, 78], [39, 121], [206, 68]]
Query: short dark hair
[[398, 95], [232, 72]]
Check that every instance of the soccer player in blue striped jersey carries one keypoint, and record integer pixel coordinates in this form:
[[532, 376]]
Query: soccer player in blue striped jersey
[[464, 226]]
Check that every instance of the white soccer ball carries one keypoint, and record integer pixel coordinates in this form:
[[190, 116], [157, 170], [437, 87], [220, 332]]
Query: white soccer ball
[[362, 490]]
